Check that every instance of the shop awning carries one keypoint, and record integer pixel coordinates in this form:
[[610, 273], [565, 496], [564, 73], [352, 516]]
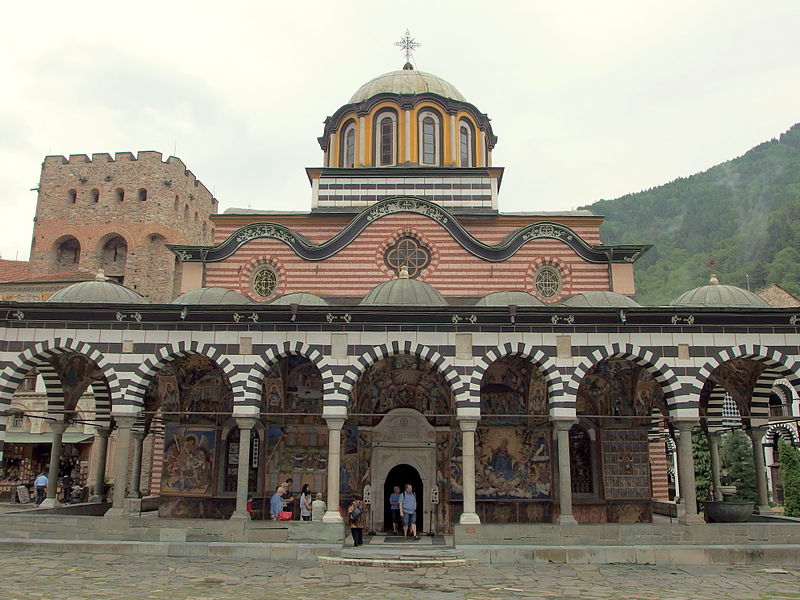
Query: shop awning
[[13, 437]]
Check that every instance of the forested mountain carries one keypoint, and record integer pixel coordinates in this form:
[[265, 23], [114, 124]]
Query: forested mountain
[[739, 219]]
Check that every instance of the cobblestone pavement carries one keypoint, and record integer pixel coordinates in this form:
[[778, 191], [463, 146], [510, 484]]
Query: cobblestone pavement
[[33, 575]]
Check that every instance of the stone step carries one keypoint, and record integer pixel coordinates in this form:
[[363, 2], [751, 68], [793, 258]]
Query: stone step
[[397, 561]]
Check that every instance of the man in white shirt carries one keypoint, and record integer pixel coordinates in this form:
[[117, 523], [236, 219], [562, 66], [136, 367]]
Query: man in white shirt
[[40, 483]]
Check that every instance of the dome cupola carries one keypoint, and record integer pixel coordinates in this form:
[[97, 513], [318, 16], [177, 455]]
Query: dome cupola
[[403, 291], [717, 295], [99, 291], [212, 296]]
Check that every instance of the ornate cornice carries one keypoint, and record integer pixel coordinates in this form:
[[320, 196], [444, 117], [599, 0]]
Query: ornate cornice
[[409, 204]]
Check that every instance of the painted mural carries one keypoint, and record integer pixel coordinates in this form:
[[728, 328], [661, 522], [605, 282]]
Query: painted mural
[[738, 377], [512, 463], [512, 388], [188, 461], [76, 372], [626, 464]]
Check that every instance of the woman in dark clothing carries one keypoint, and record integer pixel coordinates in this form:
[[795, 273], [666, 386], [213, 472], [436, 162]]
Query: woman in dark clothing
[[357, 519]]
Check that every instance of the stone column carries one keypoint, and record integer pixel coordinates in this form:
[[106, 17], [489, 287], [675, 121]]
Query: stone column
[[713, 447], [136, 472], [686, 471], [124, 427], [101, 447], [562, 427], [334, 468], [246, 425], [757, 437], [58, 428], [468, 426]]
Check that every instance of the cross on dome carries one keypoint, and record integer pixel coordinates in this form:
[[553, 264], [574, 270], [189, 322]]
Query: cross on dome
[[408, 44]]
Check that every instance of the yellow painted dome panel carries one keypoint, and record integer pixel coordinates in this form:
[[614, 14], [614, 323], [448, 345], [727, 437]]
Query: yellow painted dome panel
[[407, 81]]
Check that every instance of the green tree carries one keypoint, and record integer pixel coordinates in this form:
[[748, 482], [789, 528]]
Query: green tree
[[790, 473], [702, 462], [736, 456]]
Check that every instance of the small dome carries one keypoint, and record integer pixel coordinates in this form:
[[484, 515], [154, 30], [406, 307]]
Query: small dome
[[403, 292], [513, 297], [716, 294], [99, 291], [600, 300], [212, 296], [407, 81], [301, 298]]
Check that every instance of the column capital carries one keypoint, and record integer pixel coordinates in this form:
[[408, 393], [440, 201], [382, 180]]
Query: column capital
[[246, 422], [563, 423], [468, 423], [334, 422], [102, 432], [59, 426], [138, 435], [756, 434], [125, 421], [684, 424], [714, 435]]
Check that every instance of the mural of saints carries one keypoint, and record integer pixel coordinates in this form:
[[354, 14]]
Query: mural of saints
[[188, 459], [512, 463]]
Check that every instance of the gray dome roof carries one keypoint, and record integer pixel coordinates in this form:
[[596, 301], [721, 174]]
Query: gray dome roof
[[600, 300], [406, 81], [212, 296], [301, 298], [403, 292], [512, 297], [716, 294], [99, 291]]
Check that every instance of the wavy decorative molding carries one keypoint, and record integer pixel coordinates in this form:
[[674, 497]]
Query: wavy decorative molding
[[409, 204]]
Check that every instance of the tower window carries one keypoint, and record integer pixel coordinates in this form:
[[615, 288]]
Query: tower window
[[465, 145], [349, 146], [68, 253], [385, 141], [429, 138], [119, 194], [72, 196], [142, 194], [95, 195], [547, 282]]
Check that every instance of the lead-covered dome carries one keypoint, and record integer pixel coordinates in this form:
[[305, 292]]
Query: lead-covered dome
[[404, 292], [301, 298], [212, 296], [716, 294], [509, 298], [407, 81], [98, 291], [600, 300]]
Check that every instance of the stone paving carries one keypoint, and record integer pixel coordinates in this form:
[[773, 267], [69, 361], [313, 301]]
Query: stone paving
[[34, 575]]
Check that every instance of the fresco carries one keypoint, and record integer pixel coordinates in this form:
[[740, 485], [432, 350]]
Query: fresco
[[76, 372], [188, 461], [512, 463], [738, 378], [512, 386], [196, 508], [626, 464]]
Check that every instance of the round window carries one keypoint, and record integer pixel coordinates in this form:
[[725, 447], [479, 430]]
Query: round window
[[547, 282], [265, 282], [407, 252]]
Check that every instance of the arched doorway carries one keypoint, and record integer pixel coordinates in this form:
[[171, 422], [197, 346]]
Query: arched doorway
[[399, 476]]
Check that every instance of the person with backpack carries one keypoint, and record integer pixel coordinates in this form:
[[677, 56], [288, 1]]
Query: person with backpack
[[408, 513], [357, 518]]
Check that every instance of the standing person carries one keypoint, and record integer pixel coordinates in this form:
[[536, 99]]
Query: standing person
[[408, 512], [318, 508], [305, 503], [288, 499], [394, 505], [66, 487], [40, 484], [276, 503], [357, 516]]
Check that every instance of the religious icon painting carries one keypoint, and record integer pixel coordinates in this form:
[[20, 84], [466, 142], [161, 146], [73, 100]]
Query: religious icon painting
[[188, 461]]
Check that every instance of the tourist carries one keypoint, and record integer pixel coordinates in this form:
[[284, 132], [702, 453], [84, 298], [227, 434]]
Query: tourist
[[318, 508], [394, 505], [40, 484], [276, 503], [288, 499], [305, 503], [76, 494], [357, 516], [408, 512], [66, 488]]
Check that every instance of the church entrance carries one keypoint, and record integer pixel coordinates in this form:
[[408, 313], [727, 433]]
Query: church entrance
[[399, 476]]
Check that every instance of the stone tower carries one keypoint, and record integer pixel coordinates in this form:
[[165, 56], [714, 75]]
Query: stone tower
[[116, 215]]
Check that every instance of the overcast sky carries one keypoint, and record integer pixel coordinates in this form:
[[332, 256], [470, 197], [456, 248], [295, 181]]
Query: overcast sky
[[589, 99]]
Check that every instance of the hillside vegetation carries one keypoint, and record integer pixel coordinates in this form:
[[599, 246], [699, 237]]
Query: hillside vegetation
[[740, 219]]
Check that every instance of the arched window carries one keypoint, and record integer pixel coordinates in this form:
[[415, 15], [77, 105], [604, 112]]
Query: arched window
[[142, 194], [68, 253], [72, 196], [580, 460], [119, 194], [113, 256], [95, 195], [348, 158], [386, 139], [465, 144], [429, 138]]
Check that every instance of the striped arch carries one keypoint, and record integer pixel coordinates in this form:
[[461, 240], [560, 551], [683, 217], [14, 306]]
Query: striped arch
[[660, 371], [716, 417], [134, 397], [555, 383], [106, 390], [781, 430], [778, 366], [254, 383], [378, 353]]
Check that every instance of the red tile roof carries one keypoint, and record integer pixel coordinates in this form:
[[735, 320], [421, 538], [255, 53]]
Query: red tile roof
[[13, 270]]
